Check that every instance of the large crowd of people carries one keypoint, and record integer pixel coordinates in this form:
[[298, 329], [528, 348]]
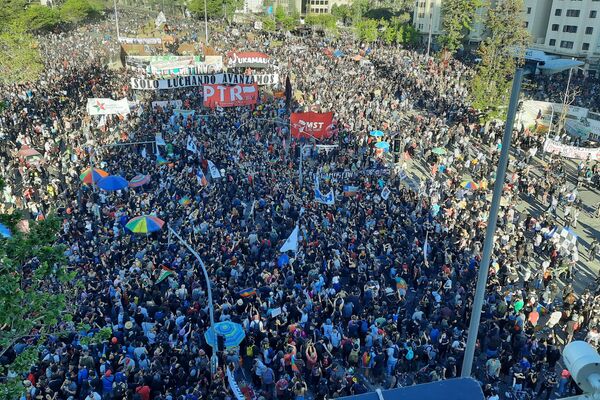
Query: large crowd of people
[[378, 293]]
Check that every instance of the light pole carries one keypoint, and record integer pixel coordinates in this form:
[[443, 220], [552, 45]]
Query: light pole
[[488, 246], [214, 360], [117, 20], [205, 22]]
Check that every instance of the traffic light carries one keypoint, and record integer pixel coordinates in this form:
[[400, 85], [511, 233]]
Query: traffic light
[[397, 145]]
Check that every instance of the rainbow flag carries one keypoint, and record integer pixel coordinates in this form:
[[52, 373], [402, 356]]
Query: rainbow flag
[[247, 292], [185, 200], [160, 160]]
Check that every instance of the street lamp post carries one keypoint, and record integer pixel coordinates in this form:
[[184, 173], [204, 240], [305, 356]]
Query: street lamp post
[[488, 246], [205, 22], [117, 20], [213, 359]]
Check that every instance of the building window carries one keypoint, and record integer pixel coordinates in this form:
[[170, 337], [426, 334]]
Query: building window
[[589, 30], [593, 14], [566, 44], [585, 46], [552, 42], [528, 10], [526, 24], [555, 27], [572, 13], [570, 28], [558, 12]]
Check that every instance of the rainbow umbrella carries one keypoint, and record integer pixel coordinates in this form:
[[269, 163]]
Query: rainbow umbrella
[[139, 180], [112, 183], [376, 133], [145, 224], [469, 185], [185, 200], [232, 333], [86, 176]]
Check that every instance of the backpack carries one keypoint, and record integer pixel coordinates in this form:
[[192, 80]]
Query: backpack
[[409, 353]]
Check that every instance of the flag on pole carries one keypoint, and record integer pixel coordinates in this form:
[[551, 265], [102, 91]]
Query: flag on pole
[[328, 199], [160, 141], [350, 190], [191, 145], [160, 19], [214, 171], [247, 292], [292, 242], [164, 274], [426, 249], [201, 177]]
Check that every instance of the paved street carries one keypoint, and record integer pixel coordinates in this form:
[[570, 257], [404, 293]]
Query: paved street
[[587, 228]]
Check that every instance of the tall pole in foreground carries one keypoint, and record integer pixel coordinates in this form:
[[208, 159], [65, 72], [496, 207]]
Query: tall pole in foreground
[[205, 22], [430, 28], [117, 20], [491, 227], [213, 358]]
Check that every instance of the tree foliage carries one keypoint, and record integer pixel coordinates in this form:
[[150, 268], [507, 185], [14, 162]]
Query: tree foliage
[[458, 17], [342, 12], [499, 52], [366, 30], [33, 295], [215, 8], [40, 18], [288, 22], [75, 11], [20, 59], [269, 24], [325, 21]]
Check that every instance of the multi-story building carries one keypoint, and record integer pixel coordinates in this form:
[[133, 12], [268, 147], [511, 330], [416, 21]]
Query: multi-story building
[[323, 6], [564, 27]]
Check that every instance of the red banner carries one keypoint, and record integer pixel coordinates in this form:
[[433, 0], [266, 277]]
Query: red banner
[[230, 96], [252, 59], [311, 125]]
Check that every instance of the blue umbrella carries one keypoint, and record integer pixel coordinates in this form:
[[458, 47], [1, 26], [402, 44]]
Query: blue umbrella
[[382, 145], [4, 231], [232, 333], [376, 133], [113, 182]]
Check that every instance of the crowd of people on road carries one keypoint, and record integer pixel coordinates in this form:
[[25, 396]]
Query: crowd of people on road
[[379, 291]]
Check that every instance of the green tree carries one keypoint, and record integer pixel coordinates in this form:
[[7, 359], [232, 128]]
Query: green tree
[[280, 13], [342, 12], [499, 52], [326, 21], [34, 295], [75, 11], [215, 8], [458, 17], [269, 24], [359, 9], [38, 18], [20, 59], [366, 30]]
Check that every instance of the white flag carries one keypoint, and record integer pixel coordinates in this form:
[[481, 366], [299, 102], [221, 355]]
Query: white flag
[[160, 141], [385, 193], [191, 145], [291, 243], [107, 106], [214, 171], [160, 19], [144, 152]]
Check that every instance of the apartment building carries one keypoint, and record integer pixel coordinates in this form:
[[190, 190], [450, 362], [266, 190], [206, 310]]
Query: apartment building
[[569, 28], [324, 6]]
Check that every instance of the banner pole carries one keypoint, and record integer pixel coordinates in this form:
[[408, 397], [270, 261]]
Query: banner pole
[[117, 20]]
